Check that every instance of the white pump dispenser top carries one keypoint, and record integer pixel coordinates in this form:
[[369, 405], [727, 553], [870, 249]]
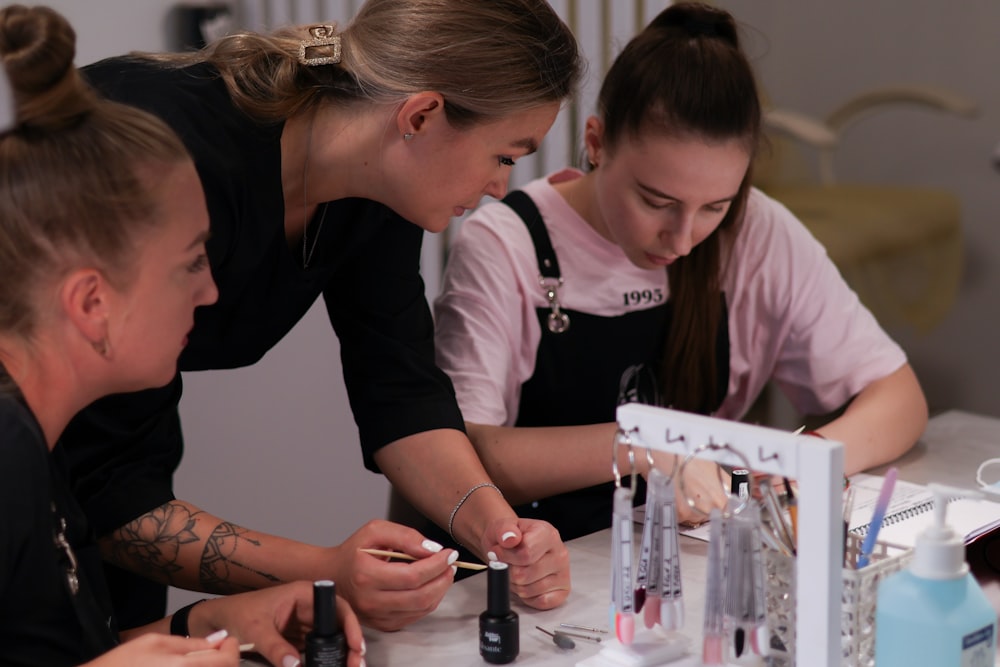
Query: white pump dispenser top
[[939, 552]]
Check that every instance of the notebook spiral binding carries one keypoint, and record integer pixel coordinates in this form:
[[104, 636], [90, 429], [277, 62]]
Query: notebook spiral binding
[[901, 515]]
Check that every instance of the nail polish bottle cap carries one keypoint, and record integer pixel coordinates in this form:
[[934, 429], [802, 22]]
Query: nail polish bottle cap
[[740, 483], [498, 589], [324, 608]]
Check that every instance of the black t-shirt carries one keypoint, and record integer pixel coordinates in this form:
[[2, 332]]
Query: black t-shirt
[[366, 264], [38, 622]]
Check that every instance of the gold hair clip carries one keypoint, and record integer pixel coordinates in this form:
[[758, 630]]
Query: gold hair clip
[[322, 35]]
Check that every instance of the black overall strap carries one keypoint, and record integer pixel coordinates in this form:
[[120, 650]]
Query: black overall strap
[[525, 208]]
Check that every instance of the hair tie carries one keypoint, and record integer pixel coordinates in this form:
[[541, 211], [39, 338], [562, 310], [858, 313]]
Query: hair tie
[[698, 27], [322, 35]]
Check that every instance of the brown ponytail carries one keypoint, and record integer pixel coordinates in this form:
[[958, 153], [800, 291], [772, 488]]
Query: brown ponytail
[[686, 75]]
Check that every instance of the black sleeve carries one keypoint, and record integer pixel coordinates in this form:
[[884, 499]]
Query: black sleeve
[[380, 313], [24, 489], [122, 452]]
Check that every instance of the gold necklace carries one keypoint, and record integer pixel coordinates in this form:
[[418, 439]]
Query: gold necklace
[[307, 252]]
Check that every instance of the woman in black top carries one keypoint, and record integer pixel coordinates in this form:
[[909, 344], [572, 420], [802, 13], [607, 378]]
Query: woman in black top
[[324, 156], [102, 263]]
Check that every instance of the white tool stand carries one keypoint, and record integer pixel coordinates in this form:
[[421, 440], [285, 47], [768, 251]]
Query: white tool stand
[[818, 467]]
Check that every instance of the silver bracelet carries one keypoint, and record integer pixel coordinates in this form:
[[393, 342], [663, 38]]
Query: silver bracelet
[[458, 506]]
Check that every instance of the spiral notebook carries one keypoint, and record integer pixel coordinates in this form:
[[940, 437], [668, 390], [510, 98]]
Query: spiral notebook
[[911, 511]]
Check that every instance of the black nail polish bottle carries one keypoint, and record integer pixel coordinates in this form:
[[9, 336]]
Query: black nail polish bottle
[[499, 641], [325, 645], [739, 485]]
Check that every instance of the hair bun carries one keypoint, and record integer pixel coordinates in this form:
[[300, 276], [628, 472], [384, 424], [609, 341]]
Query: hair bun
[[38, 45], [698, 20]]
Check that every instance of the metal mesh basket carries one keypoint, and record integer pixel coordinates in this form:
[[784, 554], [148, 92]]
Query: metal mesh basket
[[857, 604]]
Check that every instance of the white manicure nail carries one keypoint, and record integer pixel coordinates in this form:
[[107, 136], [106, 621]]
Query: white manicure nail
[[506, 536], [452, 557], [363, 663], [364, 649], [217, 637], [454, 570], [491, 555], [431, 545], [290, 661]]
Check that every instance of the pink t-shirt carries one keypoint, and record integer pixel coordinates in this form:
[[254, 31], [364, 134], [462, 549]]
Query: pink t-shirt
[[792, 318]]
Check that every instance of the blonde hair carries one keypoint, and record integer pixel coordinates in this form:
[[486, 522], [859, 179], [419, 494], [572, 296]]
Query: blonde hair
[[75, 170], [488, 58]]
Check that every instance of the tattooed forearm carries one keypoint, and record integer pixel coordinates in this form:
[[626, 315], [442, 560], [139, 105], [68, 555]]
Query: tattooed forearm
[[218, 562], [151, 544], [169, 545]]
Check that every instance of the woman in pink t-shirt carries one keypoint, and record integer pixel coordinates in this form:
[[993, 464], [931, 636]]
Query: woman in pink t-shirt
[[660, 275]]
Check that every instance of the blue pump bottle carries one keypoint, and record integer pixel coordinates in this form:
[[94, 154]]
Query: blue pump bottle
[[935, 613]]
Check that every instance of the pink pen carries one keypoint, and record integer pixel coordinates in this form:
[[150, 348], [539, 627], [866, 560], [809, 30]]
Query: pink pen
[[881, 505]]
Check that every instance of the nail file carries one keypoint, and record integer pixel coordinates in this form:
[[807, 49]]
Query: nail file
[[657, 486], [671, 595], [713, 627], [621, 618]]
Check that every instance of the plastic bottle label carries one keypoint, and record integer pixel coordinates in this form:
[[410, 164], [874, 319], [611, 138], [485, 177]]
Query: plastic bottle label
[[979, 648]]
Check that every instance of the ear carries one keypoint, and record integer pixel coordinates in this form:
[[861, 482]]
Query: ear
[[593, 140], [417, 110], [84, 297]]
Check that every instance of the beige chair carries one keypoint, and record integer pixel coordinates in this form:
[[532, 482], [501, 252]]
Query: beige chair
[[900, 248]]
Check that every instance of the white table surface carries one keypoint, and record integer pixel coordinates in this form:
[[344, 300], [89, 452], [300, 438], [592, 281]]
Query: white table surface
[[449, 636], [951, 448]]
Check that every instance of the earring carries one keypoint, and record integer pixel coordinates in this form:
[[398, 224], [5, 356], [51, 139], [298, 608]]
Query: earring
[[407, 136], [103, 348]]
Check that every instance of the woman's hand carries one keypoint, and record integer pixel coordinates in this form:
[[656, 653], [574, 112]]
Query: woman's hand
[[390, 595], [276, 620], [538, 559], [705, 485], [158, 650]]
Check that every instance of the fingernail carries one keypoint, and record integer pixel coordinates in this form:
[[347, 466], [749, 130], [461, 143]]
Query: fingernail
[[508, 535], [454, 570], [452, 557], [363, 663], [491, 555], [431, 545], [290, 661], [217, 637], [364, 649]]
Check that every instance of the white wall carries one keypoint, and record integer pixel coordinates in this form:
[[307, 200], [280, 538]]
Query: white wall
[[814, 54], [111, 27]]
